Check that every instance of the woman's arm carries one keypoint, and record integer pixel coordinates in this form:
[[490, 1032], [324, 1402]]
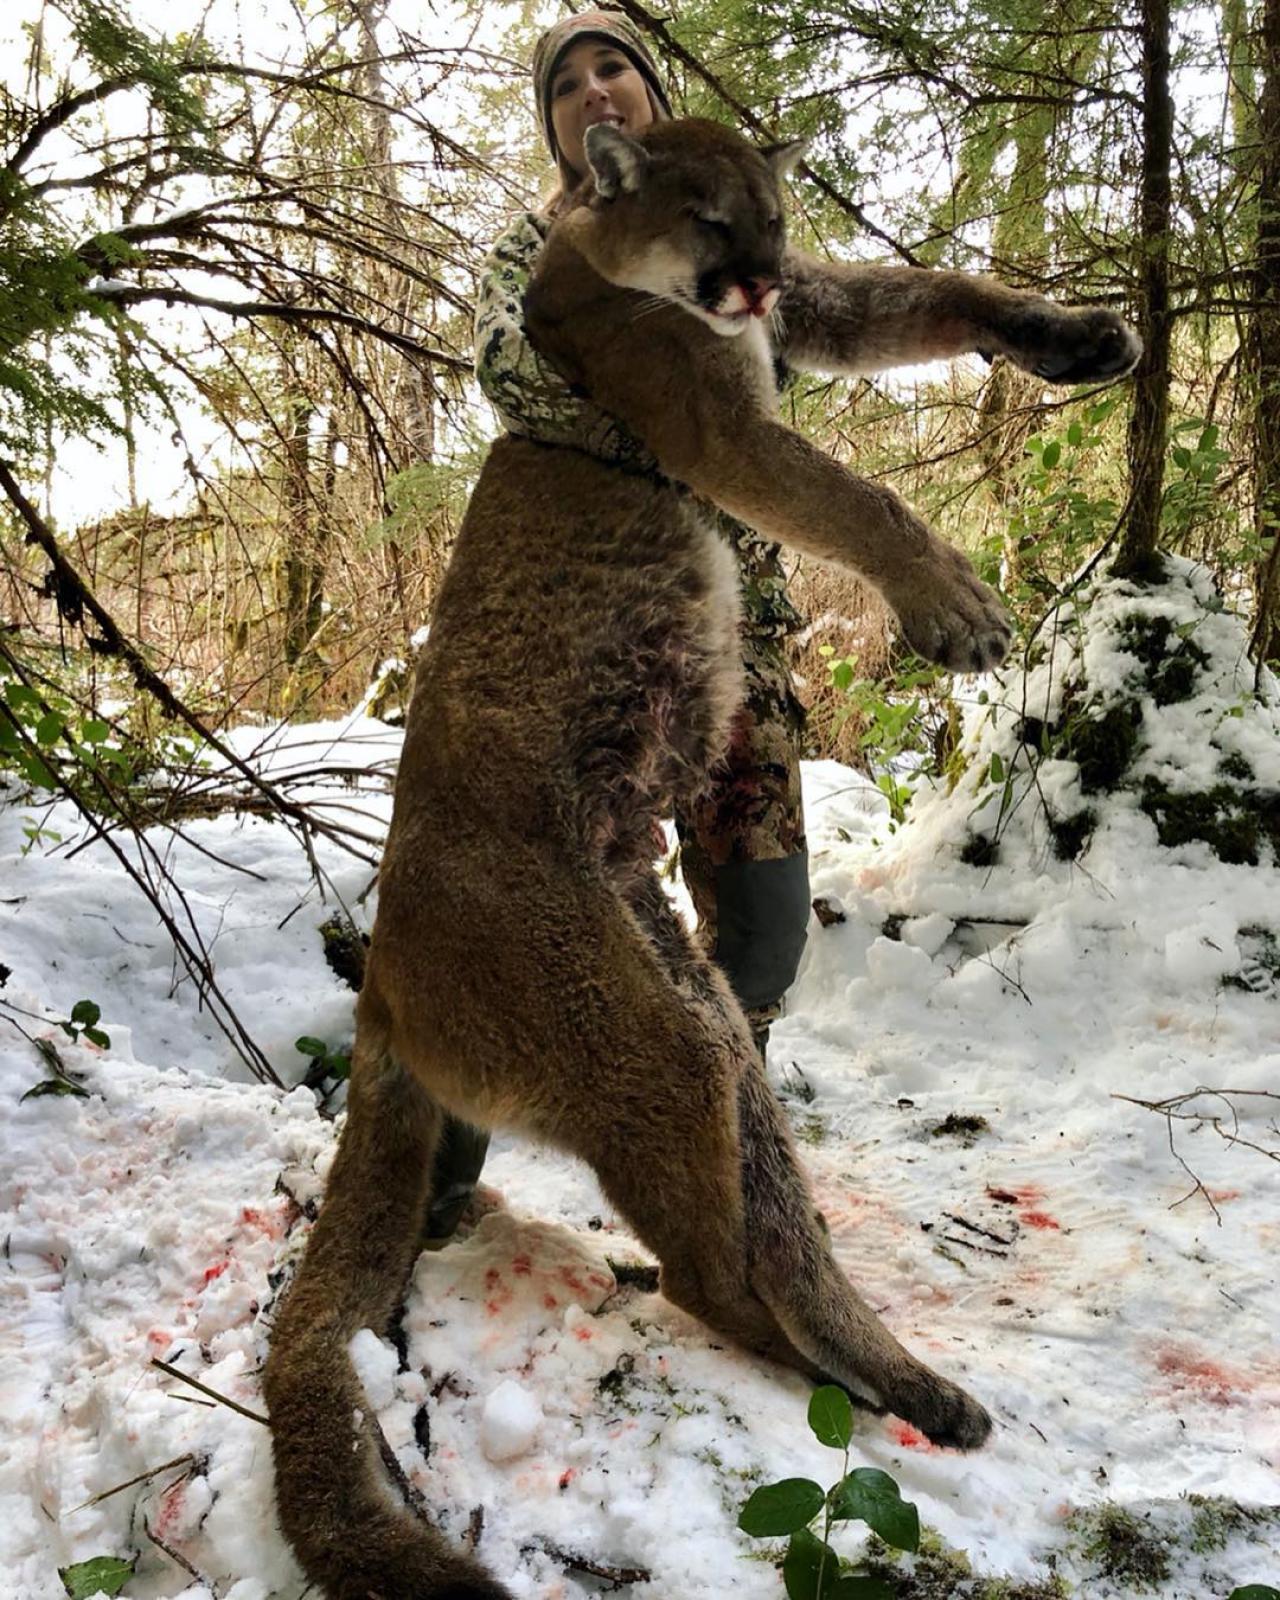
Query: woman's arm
[[529, 395]]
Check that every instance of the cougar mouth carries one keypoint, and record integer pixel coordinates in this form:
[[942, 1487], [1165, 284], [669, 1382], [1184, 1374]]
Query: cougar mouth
[[741, 303]]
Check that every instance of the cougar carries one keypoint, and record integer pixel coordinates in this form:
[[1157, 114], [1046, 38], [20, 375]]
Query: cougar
[[527, 970]]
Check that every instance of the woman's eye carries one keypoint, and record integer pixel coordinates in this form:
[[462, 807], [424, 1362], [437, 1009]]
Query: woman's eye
[[564, 87]]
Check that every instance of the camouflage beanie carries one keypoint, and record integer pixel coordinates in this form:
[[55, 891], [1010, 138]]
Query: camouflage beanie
[[604, 23]]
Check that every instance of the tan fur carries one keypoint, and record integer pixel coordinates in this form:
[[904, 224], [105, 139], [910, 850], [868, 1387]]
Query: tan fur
[[526, 969]]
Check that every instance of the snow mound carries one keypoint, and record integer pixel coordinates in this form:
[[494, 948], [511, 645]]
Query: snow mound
[[1133, 738]]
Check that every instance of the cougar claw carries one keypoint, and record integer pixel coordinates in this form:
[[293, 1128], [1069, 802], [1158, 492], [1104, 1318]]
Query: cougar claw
[[1086, 346]]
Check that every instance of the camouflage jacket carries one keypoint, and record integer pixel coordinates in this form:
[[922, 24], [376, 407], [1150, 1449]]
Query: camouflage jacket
[[533, 400]]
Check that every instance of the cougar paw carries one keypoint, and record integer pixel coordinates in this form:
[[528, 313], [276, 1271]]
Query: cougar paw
[[1088, 345], [942, 1411], [950, 616]]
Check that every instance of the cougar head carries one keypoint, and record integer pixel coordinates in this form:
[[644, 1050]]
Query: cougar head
[[691, 212]]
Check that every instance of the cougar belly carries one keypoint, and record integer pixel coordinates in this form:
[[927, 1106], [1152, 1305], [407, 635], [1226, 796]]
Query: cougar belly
[[674, 659]]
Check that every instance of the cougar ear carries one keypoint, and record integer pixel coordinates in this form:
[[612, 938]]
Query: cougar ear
[[786, 157], [617, 163]]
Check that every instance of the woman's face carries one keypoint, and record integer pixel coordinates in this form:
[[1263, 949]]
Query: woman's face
[[595, 82]]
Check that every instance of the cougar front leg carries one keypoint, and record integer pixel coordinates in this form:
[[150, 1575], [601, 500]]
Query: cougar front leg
[[777, 482], [834, 317]]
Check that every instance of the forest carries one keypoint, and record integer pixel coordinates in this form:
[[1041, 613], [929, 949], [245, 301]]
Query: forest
[[1033, 1055]]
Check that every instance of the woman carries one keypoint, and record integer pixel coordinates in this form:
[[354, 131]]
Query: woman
[[742, 845]]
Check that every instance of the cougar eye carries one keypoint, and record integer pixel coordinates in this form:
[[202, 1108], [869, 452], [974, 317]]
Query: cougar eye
[[715, 225]]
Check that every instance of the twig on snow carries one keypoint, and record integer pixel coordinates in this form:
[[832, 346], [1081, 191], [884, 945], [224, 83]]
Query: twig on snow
[[151, 1472], [1225, 1124], [176, 1556], [617, 1577], [175, 1372]]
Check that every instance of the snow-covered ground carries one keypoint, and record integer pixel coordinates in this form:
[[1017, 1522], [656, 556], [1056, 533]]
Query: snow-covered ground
[[1123, 1335]]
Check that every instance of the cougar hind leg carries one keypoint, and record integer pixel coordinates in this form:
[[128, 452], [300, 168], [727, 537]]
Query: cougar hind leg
[[771, 1281], [793, 1271], [673, 1169]]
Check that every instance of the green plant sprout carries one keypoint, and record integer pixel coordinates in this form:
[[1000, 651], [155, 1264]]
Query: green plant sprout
[[811, 1568], [84, 1020], [325, 1063]]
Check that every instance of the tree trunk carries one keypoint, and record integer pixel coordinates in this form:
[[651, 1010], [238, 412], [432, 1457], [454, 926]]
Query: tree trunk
[[1265, 338], [1149, 422], [414, 396], [303, 559]]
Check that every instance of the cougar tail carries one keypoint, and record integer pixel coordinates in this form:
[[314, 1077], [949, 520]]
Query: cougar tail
[[350, 1529]]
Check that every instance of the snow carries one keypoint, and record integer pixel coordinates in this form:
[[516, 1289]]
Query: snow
[[1053, 1260], [509, 1422]]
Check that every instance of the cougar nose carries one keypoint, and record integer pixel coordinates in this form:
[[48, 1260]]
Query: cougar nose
[[761, 293]]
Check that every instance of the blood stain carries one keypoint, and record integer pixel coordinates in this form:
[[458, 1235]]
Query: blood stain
[[1038, 1219], [1208, 1379]]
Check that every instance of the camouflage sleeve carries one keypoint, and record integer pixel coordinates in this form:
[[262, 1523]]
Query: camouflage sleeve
[[527, 393]]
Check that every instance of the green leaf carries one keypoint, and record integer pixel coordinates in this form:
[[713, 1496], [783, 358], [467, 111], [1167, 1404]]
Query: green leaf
[[85, 1012], [997, 767], [871, 1496], [102, 1040], [94, 731], [862, 1588], [842, 675], [1255, 1591], [39, 772], [49, 727], [780, 1508], [1051, 455], [1074, 434], [102, 1574], [809, 1568], [311, 1047], [831, 1416], [19, 696], [57, 1086]]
